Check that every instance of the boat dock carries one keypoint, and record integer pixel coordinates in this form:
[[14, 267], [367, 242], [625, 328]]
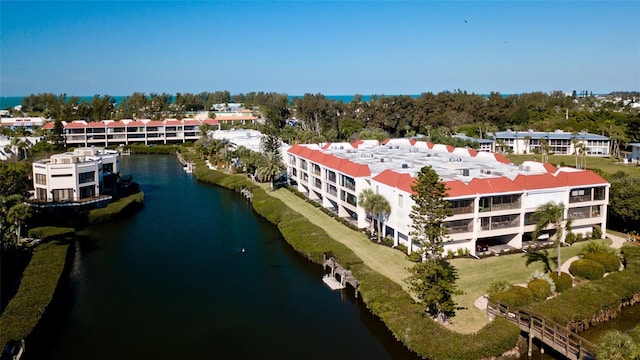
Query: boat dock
[[336, 277]]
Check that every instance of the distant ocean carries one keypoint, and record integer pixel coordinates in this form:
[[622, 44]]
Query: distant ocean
[[11, 101]]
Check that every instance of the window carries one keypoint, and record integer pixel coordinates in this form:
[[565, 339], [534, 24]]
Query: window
[[107, 168], [317, 183], [41, 179], [87, 191], [330, 175], [86, 177], [41, 194], [347, 182], [598, 193], [400, 200]]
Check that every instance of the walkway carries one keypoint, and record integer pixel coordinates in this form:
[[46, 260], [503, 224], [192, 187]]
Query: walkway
[[388, 262], [616, 243]]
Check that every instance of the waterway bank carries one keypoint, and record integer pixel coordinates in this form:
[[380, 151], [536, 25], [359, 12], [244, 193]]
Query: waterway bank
[[171, 282]]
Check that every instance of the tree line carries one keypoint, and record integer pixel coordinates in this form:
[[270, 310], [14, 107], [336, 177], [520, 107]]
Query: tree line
[[430, 114]]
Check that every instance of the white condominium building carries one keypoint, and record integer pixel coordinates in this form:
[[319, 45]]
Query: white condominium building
[[492, 199], [74, 177], [557, 142]]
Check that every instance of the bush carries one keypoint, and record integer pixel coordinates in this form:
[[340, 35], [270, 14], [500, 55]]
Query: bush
[[496, 287], [597, 233], [587, 269], [596, 247], [610, 262], [563, 282], [47, 233], [544, 276], [117, 209], [517, 296], [570, 238], [540, 289], [402, 248], [415, 257]]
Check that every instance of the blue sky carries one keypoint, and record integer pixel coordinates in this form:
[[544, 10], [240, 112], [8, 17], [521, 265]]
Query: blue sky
[[329, 47]]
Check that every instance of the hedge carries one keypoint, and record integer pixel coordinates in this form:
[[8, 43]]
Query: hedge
[[38, 284], [383, 297], [116, 209], [517, 296], [587, 269], [47, 233], [540, 289], [563, 282], [579, 305], [610, 261]]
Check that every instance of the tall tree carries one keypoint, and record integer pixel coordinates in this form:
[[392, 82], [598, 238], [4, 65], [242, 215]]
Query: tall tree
[[364, 201], [429, 212], [17, 215], [551, 214], [434, 284]]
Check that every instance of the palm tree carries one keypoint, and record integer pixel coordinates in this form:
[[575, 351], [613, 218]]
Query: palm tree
[[17, 215], [269, 166], [551, 214], [364, 201], [381, 208], [616, 345]]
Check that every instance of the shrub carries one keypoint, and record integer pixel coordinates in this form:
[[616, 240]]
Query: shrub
[[587, 269], [570, 238], [610, 262], [402, 248], [540, 289], [562, 282], [47, 233], [543, 276], [597, 233], [596, 247], [517, 296], [496, 287], [117, 209], [415, 257], [451, 254]]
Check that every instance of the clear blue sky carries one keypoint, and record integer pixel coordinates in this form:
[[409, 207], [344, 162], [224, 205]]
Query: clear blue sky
[[334, 48]]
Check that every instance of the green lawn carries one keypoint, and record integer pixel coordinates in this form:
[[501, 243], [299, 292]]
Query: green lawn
[[388, 262], [607, 165], [475, 276]]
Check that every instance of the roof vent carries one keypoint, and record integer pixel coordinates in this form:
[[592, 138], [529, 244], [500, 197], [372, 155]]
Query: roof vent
[[405, 166], [465, 172]]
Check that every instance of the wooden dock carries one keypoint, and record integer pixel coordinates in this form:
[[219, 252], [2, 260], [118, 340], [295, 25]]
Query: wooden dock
[[337, 277], [247, 194], [559, 338]]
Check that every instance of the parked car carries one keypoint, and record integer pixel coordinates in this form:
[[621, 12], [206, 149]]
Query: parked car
[[482, 246]]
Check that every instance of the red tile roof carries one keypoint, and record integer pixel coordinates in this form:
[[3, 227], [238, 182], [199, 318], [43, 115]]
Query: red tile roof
[[191, 122], [234, 118], [345, 166], [456, 188], [580, 178], [96, 124], [357, 143], [74, 125], [473, 152], [136, 123], [116, 124], [412, 142], [494, 185], [48, 126], [550, 168], [396, 180], [155, 123], [211, 122], [537, 181], [501, 158], [173, 122]]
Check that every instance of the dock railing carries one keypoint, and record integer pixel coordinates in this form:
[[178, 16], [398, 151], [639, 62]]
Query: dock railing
[[550, 333]]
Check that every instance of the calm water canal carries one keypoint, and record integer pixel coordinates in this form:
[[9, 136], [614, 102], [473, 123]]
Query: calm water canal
[[172, 282]]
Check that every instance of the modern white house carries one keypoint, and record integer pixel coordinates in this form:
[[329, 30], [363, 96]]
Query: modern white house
[[492, 200], [559, 142], [74, 178], [635, 153]]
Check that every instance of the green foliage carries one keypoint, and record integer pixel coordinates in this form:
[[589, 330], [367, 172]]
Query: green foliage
[[434, 284], [580, 304], [415, 257], [153, 150], [624, 203], [14, 178], [596, 247], [48, 233], [616, 345], [517, 296], [544, 276], [117, 209], [38, 284], [609, 261], [570, 238], [539, 288], [428, 213], [597, 233], [496, 287], [562, 282], [550, 214], [586, 269]]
